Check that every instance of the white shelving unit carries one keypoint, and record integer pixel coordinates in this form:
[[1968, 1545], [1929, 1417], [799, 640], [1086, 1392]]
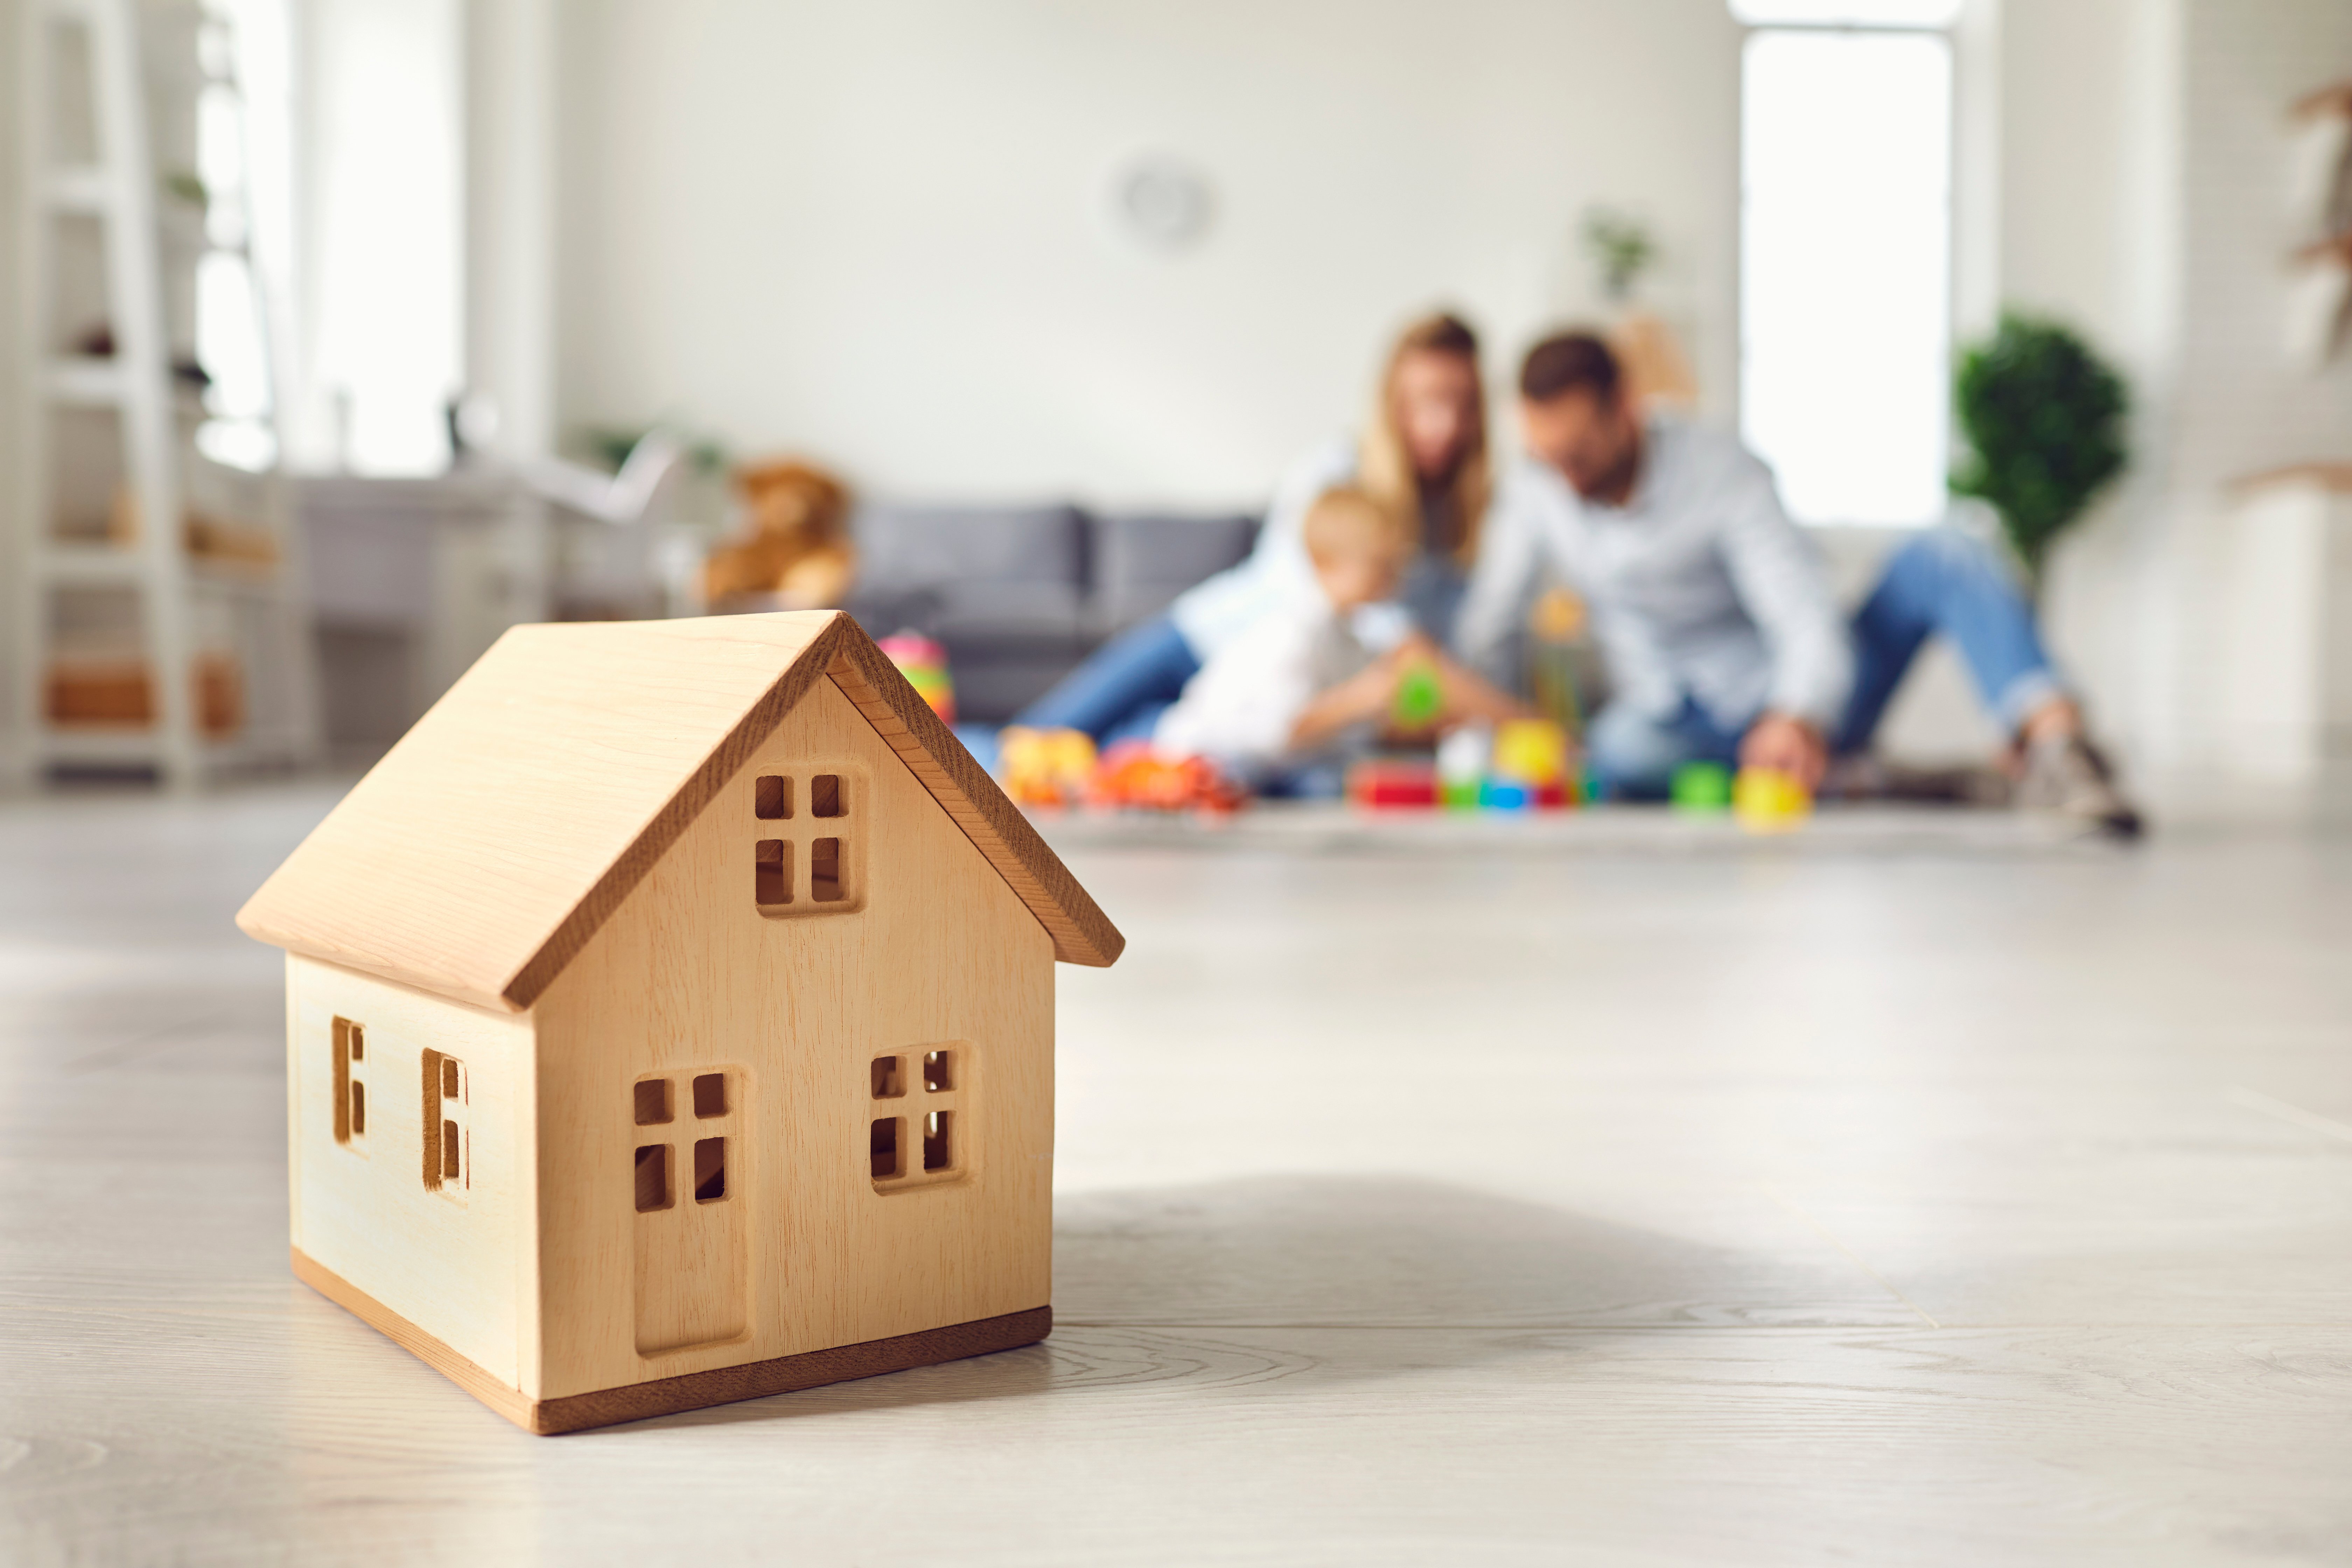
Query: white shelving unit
[[182, 574]]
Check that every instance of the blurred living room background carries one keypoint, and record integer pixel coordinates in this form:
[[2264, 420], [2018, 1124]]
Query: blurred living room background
[[429, 317]]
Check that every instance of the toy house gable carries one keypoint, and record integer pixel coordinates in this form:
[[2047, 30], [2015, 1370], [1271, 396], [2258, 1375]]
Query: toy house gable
[[477, 857]]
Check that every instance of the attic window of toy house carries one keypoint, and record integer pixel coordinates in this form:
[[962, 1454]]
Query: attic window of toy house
[[802, 862], [825, 871], [771, 872]]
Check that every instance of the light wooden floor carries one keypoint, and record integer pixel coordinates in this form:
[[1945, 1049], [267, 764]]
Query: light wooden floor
[[1498, 1202]]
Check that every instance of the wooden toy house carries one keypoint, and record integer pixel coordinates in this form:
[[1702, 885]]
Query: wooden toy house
[[670, 1021]]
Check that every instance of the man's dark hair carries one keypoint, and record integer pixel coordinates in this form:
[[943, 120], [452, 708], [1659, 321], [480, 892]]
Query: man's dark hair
[[1570, 362]]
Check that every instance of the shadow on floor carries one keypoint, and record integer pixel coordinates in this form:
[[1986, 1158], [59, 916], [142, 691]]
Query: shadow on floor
[[1403, 1252], [1226, 1283]]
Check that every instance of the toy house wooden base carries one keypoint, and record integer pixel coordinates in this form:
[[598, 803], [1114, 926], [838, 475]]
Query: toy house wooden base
[[669, 1021]]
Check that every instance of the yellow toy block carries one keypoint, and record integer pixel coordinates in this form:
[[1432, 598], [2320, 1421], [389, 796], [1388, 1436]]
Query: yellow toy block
[[1532, 752], [1045, 767], [1765, 800]]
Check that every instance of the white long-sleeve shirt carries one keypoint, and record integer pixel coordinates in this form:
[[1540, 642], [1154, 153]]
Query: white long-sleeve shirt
[[1277, 573], [1241, 709], [1698, 585]]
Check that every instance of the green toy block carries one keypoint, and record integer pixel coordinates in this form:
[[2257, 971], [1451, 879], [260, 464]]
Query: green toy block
[[1418, 697], [1702, 786]]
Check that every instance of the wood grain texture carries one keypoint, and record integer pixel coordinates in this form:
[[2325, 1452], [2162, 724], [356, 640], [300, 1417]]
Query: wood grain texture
[[689, 976], [462, 1369], [692, 1253], [1082, 933], [509, 824], [462, 1262], [696, 1391], [788, 1374]]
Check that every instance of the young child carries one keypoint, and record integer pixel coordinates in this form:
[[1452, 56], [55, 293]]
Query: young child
[[1313, 684]]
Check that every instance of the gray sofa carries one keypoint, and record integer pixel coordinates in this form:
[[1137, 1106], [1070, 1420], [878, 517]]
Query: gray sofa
[[1020, 594]]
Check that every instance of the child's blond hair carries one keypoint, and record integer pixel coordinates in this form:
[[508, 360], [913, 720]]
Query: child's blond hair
[[1348, 521]]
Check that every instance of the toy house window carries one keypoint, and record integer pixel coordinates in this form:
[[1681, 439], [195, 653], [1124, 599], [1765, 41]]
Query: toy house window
[[652, 1177], [710, 1170], [772, 797], [802, 861], [885, 1143], [710, 1095], [922, 1140], [825, 871], [702, 1157], [772, 872], [449, 1154], [351, 1084]]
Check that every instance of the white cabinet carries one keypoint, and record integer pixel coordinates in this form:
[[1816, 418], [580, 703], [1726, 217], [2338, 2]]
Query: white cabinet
[[411, 580]]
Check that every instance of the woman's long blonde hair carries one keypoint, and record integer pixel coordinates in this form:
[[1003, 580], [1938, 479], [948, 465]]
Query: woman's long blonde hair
[[1384, 469]]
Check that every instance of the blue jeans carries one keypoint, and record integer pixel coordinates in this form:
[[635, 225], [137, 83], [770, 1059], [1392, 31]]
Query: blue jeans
[[1943, 581], [1124, 686]]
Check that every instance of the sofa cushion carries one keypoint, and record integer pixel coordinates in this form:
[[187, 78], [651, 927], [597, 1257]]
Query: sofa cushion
[[1141, 562], [976, 572]]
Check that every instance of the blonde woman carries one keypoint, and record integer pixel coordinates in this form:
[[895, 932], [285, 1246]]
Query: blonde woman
[[1422, 454]]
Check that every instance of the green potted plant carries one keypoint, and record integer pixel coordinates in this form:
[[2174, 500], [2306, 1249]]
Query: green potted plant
[[1623, 247], [2044, 415]]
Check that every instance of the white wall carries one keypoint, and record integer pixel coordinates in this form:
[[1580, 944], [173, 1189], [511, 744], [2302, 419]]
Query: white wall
[[510, 308], [873, 233], [2143, 175], [12, 378], [13, 370], [2088, 222], [2238, 406]]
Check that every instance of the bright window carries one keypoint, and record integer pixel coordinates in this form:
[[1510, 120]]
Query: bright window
[[244, 157], [1845, 255], [1847, 13]]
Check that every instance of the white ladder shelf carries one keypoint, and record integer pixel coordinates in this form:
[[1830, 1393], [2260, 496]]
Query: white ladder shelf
[[118, 190]]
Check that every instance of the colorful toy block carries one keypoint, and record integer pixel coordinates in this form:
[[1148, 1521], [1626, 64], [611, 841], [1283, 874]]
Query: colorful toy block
[[1701, 787], [924, 663], [1532, 752], [1768, 801], [1045, 767], [1386, 785]]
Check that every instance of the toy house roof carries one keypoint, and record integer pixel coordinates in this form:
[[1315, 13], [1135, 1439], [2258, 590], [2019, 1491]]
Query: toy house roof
[[480, 855]]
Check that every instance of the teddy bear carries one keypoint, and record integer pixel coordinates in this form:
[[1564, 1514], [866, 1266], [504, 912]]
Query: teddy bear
[[797, 547]]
